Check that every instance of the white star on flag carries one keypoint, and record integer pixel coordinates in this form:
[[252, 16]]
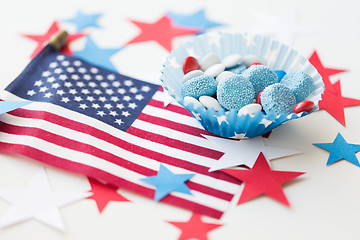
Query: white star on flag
[[37, 201], [245, 152]]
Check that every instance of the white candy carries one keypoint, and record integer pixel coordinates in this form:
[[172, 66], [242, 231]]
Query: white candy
[[231, 60], [223, 75], [210, 102], [192, 74], [250, 109], [250, 59], [215, 70], [188, 100], [209, 60]]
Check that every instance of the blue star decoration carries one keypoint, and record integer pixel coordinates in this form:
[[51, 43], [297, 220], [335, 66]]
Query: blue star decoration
[[82, 20], [7, 106], [98, 56], [166, 182], [196, 20], [340, 149]]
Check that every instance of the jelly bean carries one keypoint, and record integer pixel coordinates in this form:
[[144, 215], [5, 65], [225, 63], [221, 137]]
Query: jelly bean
[[188, 100], [303, 106], [250, 109], [231, 60], [258, 99], [209, 60], [210, 102], [190, 64], [215, 69], [250, 59], [255, 63], [192, 74]]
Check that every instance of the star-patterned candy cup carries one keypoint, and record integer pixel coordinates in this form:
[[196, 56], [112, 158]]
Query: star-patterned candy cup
[[275, 55]]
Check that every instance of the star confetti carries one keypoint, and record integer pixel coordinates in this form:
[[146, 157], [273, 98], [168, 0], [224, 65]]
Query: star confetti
[[195, 228], [262, 180], [324, 71], [245, 152], [196, 20], [104, 193], [166, 182], [82, 20], [37, 201], [98, 56], [7, 106], [162, 31], [334, 103], [340, 149], [46, 37]]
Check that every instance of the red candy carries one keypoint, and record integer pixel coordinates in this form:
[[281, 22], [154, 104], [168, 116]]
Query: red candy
[[190, 64], [304, 106], [256, 63], [258, 100]]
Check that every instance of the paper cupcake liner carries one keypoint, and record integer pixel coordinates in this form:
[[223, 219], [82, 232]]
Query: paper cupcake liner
[[273, 54]]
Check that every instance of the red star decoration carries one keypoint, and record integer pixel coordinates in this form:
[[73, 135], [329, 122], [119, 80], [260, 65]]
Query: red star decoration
[[104, 193], [161, 31], [195, 228], [43, 39], [262, 180], [324, 71], [333, 102]]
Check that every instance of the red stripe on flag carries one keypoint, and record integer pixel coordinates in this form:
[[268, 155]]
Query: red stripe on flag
[[170, 107]]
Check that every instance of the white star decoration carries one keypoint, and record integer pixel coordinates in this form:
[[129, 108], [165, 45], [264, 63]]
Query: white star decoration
[[167, 98], [37, 201], [245, 152]]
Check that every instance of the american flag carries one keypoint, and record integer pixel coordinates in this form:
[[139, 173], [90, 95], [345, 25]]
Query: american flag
[[113, 128]]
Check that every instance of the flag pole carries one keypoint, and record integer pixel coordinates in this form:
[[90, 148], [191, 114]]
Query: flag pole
[[59, 39]]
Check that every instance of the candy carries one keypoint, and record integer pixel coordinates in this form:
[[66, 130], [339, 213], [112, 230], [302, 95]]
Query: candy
[[210, 102], [208, 61], [238, 69], [215, 69], [195, 103], [198, 86], [250, 59], [303, 106], [300, 84], [223, 75], [190, 64], [250, 109], [234, 92], [231, 60], [192, 74], [280, 74], [258, 98], [260, 76], [255, 63], [277, 98]]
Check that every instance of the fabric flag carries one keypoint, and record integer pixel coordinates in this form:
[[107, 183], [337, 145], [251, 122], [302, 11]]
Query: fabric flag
[[113, 128]]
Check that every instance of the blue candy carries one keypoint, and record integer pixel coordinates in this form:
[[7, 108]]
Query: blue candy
[[237, 69], [300, 84], [234, 92], [280, 74], [277, 98], [199, 86], [260, 77]]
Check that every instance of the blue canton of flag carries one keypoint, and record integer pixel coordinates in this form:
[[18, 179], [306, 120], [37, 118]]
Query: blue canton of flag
[[76, 85]]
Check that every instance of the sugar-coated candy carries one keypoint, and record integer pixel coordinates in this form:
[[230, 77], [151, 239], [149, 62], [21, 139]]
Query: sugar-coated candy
[[304, 106], [231, 60], [195, 102], [192, 74], [300, 83], [199, 86], [210, 102], [215, 69], [277, 98], [234, 92], [260, 76], [280, 74], [223, 75], [250, 109], [208, 61], [190, 64], [237, 69], [250, 59]]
